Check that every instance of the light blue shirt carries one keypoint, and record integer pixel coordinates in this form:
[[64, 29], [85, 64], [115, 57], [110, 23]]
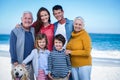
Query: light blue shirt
[[43, 60], [35, 57]]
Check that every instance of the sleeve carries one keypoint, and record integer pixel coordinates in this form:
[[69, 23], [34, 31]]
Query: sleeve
[[68, 62], [13, 40], [29, 58], [86, 47], [49, 63]]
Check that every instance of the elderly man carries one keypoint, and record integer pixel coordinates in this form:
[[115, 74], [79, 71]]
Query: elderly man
[[22, 42]]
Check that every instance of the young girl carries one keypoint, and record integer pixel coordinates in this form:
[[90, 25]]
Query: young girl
[[39, 57]]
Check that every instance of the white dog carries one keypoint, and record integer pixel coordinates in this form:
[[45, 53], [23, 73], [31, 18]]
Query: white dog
[[19, 73]]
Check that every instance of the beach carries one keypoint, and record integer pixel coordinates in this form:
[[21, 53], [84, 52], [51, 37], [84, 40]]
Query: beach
[[101, 69]]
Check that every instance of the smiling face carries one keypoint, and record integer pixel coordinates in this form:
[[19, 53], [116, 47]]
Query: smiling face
[[44, 16], [58, 44], [42, 43], [27, 20], [58, 14], [78, 25]]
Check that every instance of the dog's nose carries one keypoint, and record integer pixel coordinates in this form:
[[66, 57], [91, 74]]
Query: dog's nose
[[16, 73]]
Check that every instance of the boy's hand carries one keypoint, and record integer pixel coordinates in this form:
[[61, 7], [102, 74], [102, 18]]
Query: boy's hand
[[49, 74], [68, 75]]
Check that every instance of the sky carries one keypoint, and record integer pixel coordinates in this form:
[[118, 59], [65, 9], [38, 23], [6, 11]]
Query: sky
[[101, 16]]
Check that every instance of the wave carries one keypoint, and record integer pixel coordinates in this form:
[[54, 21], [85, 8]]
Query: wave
[[115, 54], [4, 47]]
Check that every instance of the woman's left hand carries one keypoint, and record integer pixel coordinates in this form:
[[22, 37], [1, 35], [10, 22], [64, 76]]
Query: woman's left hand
[[67, 52]]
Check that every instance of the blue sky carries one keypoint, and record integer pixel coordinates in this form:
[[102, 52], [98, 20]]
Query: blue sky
[[101, 16]]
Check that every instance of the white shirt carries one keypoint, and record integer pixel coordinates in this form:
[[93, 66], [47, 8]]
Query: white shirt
[[61, 30]]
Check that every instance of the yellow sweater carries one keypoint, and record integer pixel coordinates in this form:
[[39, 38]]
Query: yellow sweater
[[80, 46]]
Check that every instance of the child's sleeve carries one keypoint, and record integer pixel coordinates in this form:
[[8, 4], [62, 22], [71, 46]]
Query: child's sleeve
[[49, 63], [68, 62], [29, 58]]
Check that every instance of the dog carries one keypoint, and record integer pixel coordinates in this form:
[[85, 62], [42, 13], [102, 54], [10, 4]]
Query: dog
[[19, 73]]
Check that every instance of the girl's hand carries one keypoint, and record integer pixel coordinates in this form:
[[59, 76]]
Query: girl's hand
[[67, 52], [23, 65], [49, 75]]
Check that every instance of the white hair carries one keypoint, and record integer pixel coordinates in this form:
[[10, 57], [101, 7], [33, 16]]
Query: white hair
[[80, 18], [27, 12]]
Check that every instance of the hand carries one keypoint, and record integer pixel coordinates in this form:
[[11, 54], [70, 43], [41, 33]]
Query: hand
[[67, 52], [15, 63], [23, 65], [49, 75], [68, 75], [17, 26]]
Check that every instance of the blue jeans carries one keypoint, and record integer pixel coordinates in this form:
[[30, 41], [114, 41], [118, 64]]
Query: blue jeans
[[81, 73]]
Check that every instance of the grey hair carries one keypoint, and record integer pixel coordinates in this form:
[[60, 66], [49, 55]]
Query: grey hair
[[80, 18], [27, 12]]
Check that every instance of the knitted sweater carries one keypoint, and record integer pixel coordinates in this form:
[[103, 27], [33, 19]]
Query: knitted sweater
[[80, 46], [59, 64]]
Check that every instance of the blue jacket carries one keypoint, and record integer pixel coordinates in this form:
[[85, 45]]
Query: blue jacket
[[68, 28], [17, 44]]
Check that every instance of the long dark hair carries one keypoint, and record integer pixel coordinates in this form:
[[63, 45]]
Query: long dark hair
[[39, 23]]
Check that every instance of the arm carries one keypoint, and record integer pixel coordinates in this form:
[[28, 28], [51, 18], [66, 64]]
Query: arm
[[29, 58], [68, 62], [49, 63], [13, 40], [50, 66]]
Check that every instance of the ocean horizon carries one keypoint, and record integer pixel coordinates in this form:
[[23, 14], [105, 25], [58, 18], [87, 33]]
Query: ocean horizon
[[103, 45]]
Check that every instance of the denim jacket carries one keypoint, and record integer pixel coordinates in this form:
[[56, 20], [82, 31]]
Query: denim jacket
[[68, 28]]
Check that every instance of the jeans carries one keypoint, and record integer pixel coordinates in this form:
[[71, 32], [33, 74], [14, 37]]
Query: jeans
[[81, 73]]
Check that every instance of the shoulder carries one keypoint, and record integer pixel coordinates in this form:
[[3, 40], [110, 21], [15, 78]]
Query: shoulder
[[68, 20], [52, 52], [47, 51], [17, 30], [34, 51], [51, 26], [55, 24], [85, 34]]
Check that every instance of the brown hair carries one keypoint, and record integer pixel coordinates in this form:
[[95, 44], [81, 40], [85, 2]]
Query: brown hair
[[39, 23], [40, 37]]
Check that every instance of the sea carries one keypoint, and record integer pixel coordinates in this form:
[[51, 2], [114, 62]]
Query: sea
[[103, 45]]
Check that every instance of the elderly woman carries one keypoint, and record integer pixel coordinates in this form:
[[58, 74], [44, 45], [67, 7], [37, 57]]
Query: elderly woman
[[79, 47]]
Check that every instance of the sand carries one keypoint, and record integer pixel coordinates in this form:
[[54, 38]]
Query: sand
[[99, 72]]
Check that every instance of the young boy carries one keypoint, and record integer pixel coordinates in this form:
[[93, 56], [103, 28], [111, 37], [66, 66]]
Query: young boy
[[59, 65]]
